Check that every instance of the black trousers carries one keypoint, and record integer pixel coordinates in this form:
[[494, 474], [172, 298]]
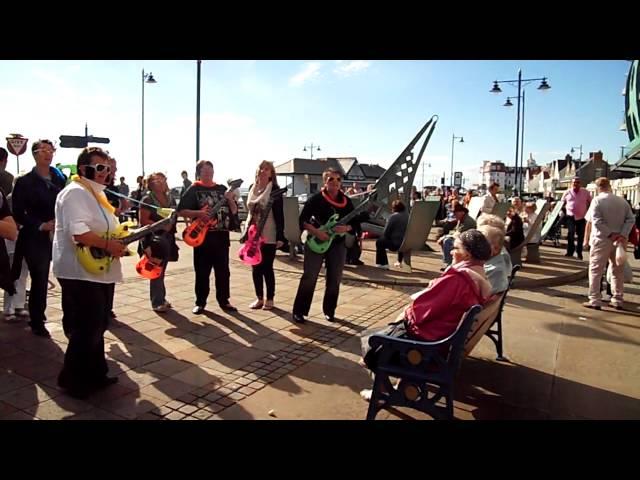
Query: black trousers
[[37, 254], [265, 271], [382, 244], [575, 227], [334, 258], [213, 253], [85, 307]]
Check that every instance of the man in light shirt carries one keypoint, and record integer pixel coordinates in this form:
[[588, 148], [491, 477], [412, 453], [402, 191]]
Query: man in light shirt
[[577, 201], [82, 215], [612, 220], [490, 199]]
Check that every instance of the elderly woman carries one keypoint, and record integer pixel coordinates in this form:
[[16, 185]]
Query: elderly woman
[[435, 312], [529, 219], [498, 267]]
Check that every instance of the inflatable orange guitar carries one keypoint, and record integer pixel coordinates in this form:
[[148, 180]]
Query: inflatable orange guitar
[[194, 234]]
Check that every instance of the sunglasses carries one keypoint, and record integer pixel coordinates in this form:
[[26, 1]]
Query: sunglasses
[[100, 167], [334, 179]]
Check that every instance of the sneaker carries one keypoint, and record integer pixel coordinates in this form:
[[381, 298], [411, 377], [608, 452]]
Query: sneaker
[[590, 305], [197, 310], [228, 308], [366, 394], [161, 308], [41, 331], [168, 304], [617, 306], [397, 264], [329, 318], [22, 312], [298, 318], [257, 304], [383, 267]]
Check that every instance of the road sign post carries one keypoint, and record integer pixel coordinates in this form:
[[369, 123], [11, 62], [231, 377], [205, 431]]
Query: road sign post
[[17, 145]]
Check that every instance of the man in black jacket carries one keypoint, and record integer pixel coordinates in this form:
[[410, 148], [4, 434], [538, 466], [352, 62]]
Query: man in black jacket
[[34, 198]]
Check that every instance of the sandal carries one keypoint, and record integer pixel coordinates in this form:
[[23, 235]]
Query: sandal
[[256, 305]]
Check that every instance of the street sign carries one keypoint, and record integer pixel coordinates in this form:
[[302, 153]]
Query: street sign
[[72, 141], [457, 179], [17, 145]]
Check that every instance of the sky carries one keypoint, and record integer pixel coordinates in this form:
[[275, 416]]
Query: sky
[[270, 110]]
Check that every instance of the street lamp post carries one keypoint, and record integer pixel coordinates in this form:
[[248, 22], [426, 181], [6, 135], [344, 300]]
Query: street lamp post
[[199, 63], [311, 147], [146, 78], [453, 142], [519, 81], [573, 150]]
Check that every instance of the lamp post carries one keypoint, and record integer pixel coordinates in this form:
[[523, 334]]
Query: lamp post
[[453, 142], [146, 78], [544, 86], [198, 112], [573, 151], [311, 147]]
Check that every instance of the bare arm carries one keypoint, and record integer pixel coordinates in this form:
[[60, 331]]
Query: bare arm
[[8, 228], [90, 239]]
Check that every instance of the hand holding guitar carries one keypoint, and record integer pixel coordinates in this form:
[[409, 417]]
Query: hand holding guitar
[[342, 228], [115, 248]]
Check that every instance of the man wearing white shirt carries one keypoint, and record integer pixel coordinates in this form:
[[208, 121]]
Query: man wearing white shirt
[[612, 220], [83, 214], [490, 199]]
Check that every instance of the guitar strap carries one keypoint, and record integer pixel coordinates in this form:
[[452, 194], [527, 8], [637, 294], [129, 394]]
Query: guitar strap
[[101, 205]]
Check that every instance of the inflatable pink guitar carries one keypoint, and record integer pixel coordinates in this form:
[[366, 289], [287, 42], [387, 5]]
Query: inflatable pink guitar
[[250, 252]]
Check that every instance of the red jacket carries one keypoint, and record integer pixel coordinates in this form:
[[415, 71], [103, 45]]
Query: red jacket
[[436, 313]]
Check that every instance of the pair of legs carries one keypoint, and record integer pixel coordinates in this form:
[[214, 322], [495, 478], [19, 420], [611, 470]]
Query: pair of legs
[[263, 274], [213, 253], [85, 307], [37, 254], [575, 227], [603, 251], [157, 290], [334, 258], [15, 303], [382, 245]]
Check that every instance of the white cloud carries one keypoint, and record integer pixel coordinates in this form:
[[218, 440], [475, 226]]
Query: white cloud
[[308, 72], [349, 68]]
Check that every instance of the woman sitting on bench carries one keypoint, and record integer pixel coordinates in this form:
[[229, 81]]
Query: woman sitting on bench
[[435, 312]]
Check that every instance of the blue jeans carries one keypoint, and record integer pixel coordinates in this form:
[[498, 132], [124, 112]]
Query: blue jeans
[[447, 247], [157, 291]]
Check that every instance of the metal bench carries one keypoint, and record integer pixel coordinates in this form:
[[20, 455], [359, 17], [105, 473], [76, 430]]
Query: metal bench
[[426, 370]]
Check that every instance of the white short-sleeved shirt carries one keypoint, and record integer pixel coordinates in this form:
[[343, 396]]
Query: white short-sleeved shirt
[[77, 212]]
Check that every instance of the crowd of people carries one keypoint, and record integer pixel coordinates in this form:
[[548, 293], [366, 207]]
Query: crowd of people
[[47, 219]]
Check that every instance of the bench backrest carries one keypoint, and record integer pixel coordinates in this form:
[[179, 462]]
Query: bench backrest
[[292, 220], [419, 225], [490, 313]]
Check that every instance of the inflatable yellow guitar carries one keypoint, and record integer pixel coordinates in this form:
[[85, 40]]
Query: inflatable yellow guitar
[[97, 260]]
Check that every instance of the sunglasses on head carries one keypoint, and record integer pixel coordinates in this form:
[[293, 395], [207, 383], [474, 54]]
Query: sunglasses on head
[[100, 167]]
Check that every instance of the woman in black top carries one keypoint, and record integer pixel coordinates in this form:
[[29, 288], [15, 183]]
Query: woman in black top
[[195, 203], [316, 211], [158, 195], [515, 230], [272, 232]]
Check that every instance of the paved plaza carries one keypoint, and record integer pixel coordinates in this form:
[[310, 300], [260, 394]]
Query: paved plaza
[[566, 362]]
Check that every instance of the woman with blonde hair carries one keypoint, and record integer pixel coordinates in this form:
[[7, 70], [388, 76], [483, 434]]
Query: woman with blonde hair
[[158, 195], [272, 232]]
